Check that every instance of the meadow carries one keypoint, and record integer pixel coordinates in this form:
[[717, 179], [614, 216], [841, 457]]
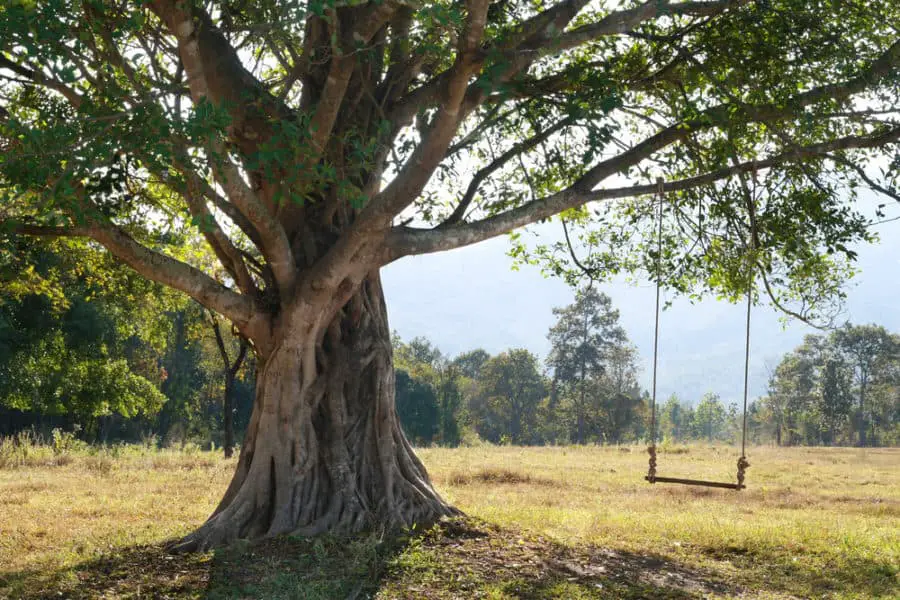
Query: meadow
[[550, 522]]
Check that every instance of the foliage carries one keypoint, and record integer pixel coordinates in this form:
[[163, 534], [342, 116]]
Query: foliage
[[554, 111], [79, 339], [86, 342], [594, 370], [837, 389]]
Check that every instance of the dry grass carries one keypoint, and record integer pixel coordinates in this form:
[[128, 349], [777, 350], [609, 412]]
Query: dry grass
[[814, 523]]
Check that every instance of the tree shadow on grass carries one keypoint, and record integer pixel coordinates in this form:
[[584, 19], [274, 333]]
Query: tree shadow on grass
[[457, 559], [146, 571], [466, 559]]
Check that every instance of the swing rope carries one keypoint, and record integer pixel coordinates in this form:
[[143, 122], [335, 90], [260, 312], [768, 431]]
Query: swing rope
[[660, 189], [742, 463]]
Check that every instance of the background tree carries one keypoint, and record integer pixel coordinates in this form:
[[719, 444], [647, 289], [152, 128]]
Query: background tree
[[868, 349], [417, 407], [791, 392], [585, 341], [836, 397], [78, 344], [230, 369], [836, 387], [511, 389], [710, 418], [299, 139], [425, 366], [675, 419], [470, 363]]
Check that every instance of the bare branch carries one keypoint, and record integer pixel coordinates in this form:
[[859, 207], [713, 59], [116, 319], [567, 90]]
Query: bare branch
[[414, 175]]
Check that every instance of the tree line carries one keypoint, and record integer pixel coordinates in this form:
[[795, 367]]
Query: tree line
[[102, 352], [90, 347], [842, 388]]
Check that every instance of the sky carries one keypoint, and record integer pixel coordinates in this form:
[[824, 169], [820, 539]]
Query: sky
[[471, 298]]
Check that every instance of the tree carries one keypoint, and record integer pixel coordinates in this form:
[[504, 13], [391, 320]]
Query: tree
[[510, 391], [427, 366], [470, 363], [832, 388], [868, 349], [710, 417], [77, 337], [299, 139], [230, 370], [623, 407], [583, 341], [417, 407], [792, 390]]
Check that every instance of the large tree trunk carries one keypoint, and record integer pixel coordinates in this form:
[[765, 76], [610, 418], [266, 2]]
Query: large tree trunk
[[324, 450]]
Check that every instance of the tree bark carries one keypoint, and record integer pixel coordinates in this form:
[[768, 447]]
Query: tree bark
[[324, 450]]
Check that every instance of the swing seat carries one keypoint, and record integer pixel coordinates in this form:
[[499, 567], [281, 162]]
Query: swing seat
[[700, 482], [742, 462]]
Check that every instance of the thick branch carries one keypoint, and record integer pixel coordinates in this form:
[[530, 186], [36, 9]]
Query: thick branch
[[229, 256], [273, 238], [157, 267], [414, 175], [342, 65], [405, 241], [215, 72], [624, 21]]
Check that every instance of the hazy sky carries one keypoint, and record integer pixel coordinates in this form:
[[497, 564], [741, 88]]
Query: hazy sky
[[470, 298]]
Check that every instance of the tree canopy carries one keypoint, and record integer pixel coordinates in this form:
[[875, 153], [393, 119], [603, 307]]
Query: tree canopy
[[440, 124]]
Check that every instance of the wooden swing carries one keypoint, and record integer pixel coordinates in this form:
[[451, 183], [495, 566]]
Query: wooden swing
[[742, 463]]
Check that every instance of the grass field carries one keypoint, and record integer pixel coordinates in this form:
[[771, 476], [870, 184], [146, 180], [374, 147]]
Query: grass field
[[544, 523]]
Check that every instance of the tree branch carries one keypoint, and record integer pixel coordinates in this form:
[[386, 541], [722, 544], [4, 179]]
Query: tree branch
[[404, 241], [880, 69], [273, 239], [229, 256], [40, 79], [624, 21], [157, 267], [523, 146], [414, 175], [342, 65]]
